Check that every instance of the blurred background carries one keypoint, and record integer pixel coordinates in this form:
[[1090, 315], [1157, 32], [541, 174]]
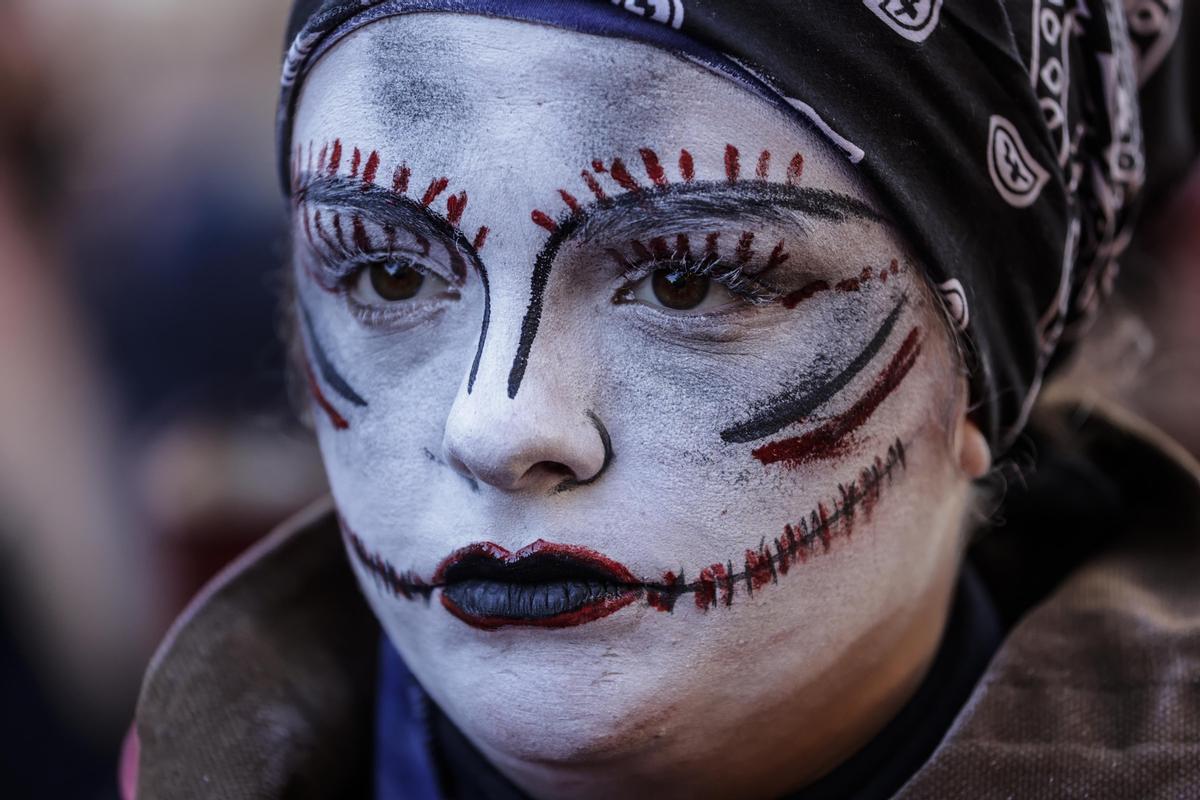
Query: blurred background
[[145, 434]]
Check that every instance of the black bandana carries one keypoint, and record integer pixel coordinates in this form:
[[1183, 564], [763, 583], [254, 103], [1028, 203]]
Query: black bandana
[[1004, 136]]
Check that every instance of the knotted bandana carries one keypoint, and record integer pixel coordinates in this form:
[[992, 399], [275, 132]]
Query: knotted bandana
[[1004, 136]]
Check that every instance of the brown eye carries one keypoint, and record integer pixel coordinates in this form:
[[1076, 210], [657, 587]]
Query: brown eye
[[679, 290], [394, 282]]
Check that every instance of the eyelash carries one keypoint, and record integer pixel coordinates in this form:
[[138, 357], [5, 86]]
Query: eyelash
[[738, 278], [339, 271]]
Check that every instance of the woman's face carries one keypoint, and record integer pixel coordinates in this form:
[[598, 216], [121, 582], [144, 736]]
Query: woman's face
[[639, 417]]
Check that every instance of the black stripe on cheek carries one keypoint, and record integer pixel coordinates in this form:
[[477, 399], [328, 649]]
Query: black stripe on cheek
[[799, 402], [329, 373]]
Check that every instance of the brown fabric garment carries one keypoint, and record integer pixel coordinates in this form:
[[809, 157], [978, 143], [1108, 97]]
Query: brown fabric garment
[[264, 688], [1095, 693]]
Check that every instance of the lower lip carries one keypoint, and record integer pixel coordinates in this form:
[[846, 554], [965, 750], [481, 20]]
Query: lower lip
[[490, 604]]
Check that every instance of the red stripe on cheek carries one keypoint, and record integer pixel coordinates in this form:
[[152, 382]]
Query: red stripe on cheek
[[833, 438], [337, 420]]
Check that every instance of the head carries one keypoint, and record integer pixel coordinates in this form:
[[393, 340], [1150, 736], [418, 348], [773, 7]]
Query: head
[[647, 431]]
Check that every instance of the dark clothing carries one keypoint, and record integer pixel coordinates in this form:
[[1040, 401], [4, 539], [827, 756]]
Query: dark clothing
[[1005, 137], [266, 687], [417, 747]]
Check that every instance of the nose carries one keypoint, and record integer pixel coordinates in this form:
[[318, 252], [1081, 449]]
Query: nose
[[534, 442]]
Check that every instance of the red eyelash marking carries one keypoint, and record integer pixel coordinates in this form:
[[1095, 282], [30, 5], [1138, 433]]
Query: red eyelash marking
[[659, 247], [595, 187], [542, 219], [621, 175], [361, 240], [598, 165], [710, 244], [763, 169], [797, 297], [745, 248], [355, 162], [333, 248], [321, 158], [436, 187], [683, 246], [570, 200], [832, 438], [777, 256], [400, 179], [854, 284], [792, 300], [335, 158], [337, 231], [654, 169], [480, 238], [733, 166], [687, 167], [371, 169], [456, 204], [640, 252], [795, 169], [616, 256]]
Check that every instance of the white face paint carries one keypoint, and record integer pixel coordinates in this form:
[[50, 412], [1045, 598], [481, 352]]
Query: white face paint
[[771, 538]]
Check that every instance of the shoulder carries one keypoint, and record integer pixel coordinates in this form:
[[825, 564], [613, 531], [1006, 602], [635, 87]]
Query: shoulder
[[262, 688]]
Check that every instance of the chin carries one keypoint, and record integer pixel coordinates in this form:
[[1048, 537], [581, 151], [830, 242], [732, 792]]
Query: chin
[[572, 696]]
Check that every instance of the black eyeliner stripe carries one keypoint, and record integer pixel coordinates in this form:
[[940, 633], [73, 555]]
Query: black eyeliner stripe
[[483, 328], [748, 197], [537, 290], [793, 407], [332, 377], [401, 211]]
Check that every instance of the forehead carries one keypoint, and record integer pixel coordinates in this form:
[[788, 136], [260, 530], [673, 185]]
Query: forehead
[[519, 104]]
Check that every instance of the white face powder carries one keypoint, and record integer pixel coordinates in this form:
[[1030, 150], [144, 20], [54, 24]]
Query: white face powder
[[710, 420]]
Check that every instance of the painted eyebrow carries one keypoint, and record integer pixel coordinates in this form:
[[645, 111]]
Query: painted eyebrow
[[802, 400], [700, 202], [708, 198], [385, 207]]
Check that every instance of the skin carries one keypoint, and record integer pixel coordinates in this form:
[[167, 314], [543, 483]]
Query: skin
[[752, 698]]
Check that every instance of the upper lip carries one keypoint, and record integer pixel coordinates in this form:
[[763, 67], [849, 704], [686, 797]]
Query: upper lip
[[538, 562]]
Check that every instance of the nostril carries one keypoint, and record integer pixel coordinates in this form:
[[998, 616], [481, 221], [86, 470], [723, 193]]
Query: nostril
[[554, 469]]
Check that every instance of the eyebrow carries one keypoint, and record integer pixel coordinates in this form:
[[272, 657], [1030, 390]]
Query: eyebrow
[[698, 199], [700, 202], [385, 207]]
